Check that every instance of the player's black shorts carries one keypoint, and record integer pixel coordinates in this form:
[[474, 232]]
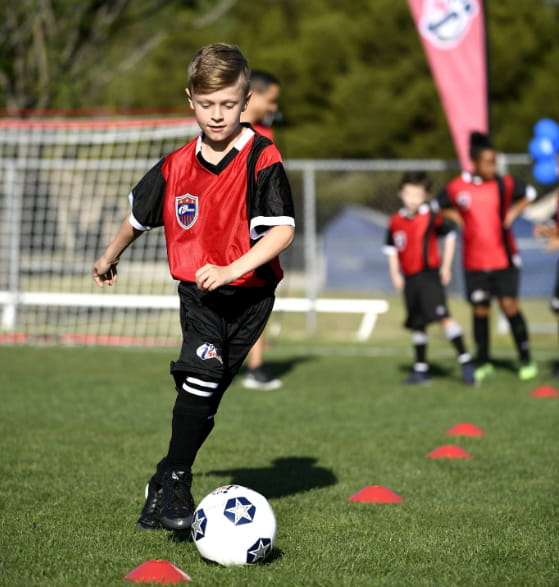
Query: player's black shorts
[[482, 286], [219, 328], [425, 299]]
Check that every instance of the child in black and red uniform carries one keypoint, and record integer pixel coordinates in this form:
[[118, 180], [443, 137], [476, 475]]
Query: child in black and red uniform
[[226, 207], [485, 205], [416, 268]]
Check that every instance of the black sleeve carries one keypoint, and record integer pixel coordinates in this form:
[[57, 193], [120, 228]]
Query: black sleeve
[[272, 197], [147, 197], [443, 200], [389, 240], [446, 227], [519, 189]]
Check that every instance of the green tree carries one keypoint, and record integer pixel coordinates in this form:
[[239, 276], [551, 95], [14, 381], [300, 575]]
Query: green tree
[[355, 80], [54, 53]]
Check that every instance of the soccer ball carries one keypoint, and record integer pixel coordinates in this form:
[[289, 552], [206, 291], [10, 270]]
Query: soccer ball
[[234, 525]]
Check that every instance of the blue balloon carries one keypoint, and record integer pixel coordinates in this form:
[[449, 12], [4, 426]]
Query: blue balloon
[[541, 148], [549, 129], [545, 171]]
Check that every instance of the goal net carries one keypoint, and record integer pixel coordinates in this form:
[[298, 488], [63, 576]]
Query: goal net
[[64, 195]]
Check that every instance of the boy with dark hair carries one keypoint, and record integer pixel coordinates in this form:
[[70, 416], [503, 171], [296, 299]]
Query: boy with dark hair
[[225, 204], [485, 205], [416, 269], [259, 113]]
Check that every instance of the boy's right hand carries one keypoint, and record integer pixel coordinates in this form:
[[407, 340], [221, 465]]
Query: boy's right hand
[[104, 272], [398, 282]]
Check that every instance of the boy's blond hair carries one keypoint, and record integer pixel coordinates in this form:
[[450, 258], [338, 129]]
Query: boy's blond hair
[[218, 66]]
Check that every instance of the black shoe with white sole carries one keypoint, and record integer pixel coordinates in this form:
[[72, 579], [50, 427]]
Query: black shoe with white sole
[[177, 505], [150, 517]]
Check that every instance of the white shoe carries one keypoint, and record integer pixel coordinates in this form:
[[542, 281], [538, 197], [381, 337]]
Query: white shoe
[[259, 379]]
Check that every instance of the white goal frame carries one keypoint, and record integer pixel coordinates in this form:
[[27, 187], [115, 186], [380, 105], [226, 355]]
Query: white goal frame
[[42, 147]]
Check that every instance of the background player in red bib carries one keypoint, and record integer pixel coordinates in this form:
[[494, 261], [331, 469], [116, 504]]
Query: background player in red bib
[[485, 205], [417, 270], [259, 113], [226, 207]]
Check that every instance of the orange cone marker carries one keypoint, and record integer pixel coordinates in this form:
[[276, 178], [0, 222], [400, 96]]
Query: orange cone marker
[[376, 494], [545, 391], [465, 429], [449, 451], [157, 571]]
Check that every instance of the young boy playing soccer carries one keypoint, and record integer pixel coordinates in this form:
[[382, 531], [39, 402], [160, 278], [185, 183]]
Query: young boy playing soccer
[[226, 207], [485, 205], [416, 269]]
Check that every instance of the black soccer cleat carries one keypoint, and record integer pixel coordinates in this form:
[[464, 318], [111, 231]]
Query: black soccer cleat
[[177, 505], [150, 517], [469, 373], [417, 378]]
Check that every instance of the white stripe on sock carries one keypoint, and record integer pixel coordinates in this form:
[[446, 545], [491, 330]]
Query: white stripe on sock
[[197, 392]]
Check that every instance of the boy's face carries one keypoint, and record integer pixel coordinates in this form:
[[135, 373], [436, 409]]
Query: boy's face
[[486, 164], [219, 113], [263, 105], [413, 196]]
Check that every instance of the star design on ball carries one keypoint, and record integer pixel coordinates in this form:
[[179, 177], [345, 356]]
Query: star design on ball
[[259, 550], [199, 525], [239, 510]]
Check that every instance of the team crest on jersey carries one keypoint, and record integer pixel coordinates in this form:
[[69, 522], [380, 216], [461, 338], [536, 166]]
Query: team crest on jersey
[[444, 23], [208, 351], [400, 240], [463, 200], [186, 209]]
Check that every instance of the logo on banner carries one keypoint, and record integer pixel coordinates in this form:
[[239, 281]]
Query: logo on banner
[[444, 23], [186, 209]]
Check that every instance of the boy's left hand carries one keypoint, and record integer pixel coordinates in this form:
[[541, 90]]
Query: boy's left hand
[[510, 217], [210, 277], [446, 275], [552, 243]]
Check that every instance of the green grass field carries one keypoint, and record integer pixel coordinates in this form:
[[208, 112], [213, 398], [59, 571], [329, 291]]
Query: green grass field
[[81, 429]]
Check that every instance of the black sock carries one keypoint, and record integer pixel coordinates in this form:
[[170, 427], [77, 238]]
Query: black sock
[[460, 347], [419, 340], [519, 331], [190, 427], [481, 338]]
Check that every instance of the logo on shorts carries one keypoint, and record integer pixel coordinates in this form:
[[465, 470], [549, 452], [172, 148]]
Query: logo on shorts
[[478, 296], [186, 209], [208, 351], [440, 310], [445, 23]]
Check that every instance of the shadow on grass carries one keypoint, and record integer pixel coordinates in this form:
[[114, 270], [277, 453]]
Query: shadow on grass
[[435, 370], [180, 536], [448, 370], [286, 476], [279, 368], [275, 555]]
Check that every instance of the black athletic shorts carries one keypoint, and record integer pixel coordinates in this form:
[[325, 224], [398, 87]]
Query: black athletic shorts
[[219, 328], [425, 299], [482, 286]]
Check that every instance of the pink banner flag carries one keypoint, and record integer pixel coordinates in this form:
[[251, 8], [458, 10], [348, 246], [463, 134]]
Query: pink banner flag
[[453, 36]]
